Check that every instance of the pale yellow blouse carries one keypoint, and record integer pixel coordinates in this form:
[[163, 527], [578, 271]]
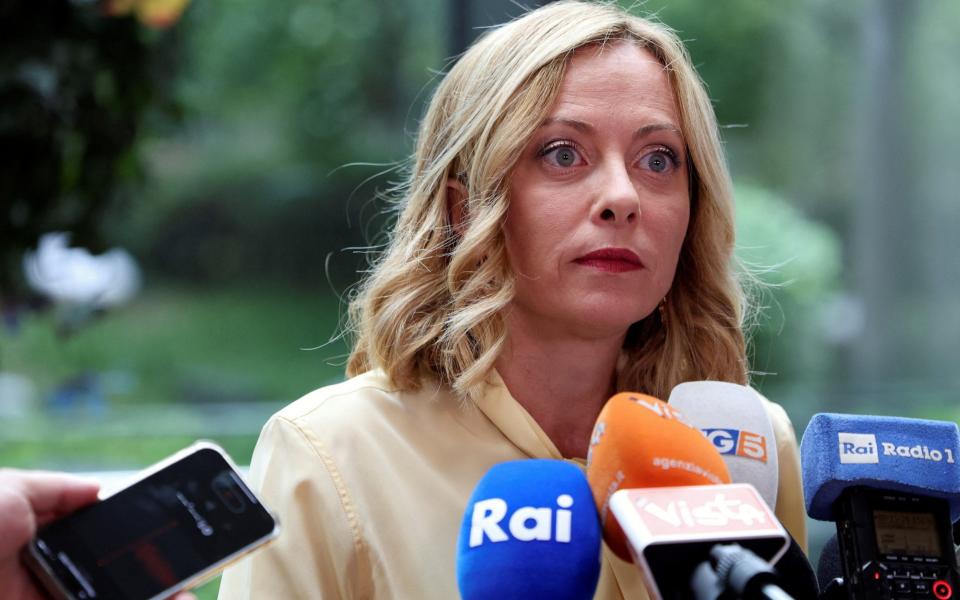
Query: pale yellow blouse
[[370, 485]]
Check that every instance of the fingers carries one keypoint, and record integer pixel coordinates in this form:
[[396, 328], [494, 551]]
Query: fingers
[[50, 494], [17, 522]]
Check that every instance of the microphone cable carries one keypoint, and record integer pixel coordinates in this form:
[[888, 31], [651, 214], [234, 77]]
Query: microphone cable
[[734, 571]]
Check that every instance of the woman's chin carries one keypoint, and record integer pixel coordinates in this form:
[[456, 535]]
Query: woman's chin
[[607, 323]]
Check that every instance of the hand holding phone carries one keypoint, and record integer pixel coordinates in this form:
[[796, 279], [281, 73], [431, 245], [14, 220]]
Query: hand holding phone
[[29, 499], [182, 521]]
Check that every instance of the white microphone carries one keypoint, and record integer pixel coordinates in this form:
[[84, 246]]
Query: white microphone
[[734, 418]]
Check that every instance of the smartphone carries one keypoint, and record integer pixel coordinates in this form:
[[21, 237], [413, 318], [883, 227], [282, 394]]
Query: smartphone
[[181, 522]]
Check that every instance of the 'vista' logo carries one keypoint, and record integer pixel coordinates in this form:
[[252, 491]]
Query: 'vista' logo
[[717, 512]]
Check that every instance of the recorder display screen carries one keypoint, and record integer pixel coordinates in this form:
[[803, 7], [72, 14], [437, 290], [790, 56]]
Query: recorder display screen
[[906, 533], [162, 530]]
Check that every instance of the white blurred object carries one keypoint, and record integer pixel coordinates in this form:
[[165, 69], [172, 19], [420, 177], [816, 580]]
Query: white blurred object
[[18, 395], [74, 276]]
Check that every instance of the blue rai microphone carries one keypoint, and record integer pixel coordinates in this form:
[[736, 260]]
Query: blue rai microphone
[[893, 486], [530, 531], [888, 453]]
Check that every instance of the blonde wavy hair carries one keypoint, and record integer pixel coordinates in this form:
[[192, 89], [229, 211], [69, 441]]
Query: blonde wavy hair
[[433, 304]]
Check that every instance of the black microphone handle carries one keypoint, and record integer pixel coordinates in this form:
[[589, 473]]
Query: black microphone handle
[[834, 590], [797, 576], [956, 532], [746, 574], [830, 566], [704, 583], [773, 592]]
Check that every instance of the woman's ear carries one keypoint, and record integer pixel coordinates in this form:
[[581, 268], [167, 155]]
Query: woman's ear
[[456, 205]]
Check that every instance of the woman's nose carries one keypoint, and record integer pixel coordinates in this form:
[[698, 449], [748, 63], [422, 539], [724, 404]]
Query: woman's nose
[[618, 202]]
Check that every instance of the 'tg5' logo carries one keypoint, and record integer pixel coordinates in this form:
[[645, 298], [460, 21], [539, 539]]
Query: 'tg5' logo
[[740, 443]]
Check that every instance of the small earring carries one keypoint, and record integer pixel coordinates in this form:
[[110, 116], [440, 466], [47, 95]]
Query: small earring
[[662, 309]]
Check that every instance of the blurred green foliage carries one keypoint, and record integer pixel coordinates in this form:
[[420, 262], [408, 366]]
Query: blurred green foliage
[[795, 264], [205, 349], [249, 196], [238, 156], [77, 449], [74, 89], [724, 40], [193, 345], [282, 98]]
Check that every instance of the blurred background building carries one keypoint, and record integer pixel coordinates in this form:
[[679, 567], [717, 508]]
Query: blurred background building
[[234, 152]]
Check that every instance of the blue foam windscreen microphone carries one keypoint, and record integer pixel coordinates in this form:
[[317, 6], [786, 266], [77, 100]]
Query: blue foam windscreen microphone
[[530, 531], [916, 456]]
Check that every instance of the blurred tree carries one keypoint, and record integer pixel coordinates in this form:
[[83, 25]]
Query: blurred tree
[[795, 266], [470, 18], [884, 227], [74, 87], [725, 41], [290, 106]]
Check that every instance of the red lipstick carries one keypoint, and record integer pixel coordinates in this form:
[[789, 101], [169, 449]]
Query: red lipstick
[[611, 260]]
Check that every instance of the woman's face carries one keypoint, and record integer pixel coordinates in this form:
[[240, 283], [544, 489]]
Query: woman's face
[[599, 203]]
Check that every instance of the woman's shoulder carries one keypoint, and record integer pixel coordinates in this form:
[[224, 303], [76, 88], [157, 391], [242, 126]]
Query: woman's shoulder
[[352, 395], [790, 504], [780, 421], [367, 403]]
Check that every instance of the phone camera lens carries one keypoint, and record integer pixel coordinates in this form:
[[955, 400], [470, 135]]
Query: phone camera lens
[[226, 489]]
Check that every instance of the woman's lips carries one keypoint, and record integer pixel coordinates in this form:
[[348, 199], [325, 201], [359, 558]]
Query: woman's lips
[[612, 260]]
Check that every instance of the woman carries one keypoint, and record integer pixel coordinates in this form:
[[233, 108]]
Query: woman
[[566, 232]]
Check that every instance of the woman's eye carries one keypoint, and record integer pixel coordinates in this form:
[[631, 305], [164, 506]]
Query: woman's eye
[[561, 155], [660, 161]]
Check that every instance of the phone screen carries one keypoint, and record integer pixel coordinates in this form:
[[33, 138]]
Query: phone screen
[[160, 531]]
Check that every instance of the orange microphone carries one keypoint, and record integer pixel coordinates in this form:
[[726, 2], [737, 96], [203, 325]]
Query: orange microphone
[[642, 442]]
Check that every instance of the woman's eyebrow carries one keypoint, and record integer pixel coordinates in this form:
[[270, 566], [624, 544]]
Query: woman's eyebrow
[[648, 129], [578, 125], [585, 127]]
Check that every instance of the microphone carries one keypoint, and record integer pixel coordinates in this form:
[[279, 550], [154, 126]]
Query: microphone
[[530, 531], [680, 538], [734, 418], [639, 442], [661, 479], [888, 453], [799, 579], [830, 571], [735, 570], [956, 538], [893, 487]]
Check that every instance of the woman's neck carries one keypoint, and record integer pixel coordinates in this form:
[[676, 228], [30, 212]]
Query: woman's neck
[[563, 382]]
